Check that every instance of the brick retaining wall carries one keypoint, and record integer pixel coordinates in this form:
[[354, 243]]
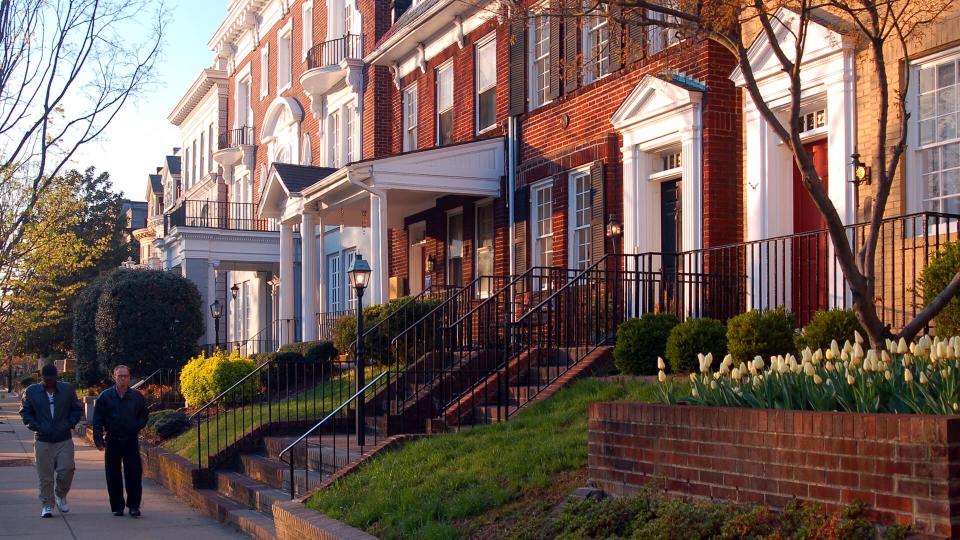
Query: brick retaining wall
[[906, 468]]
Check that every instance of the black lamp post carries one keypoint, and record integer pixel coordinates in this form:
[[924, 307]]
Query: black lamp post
[[216, 311], [359, 273]]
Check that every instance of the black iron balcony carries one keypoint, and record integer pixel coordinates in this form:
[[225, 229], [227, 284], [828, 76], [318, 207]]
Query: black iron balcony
[[218, 215], [330, 53], [235, 137]]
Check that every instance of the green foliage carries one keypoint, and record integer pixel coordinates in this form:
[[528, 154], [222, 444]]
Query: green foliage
[[147, 320], [377, 343], [934, 279], [203, 378], [166, 424], [85, 333], [641, 341], [762, 334], [314, 352], [694, 337], [837, 325], [654, 516]]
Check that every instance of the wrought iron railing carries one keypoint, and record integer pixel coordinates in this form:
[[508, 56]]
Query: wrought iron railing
[[236, 137], [327, 321], [218, 215], [161, 389], [332, 52]]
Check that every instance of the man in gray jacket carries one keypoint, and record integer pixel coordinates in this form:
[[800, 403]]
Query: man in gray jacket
[[51, 410]]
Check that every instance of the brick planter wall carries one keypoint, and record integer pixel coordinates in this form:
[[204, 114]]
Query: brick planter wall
[[905, 468]]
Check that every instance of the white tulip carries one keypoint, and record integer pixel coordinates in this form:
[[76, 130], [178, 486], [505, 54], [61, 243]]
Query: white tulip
[[923, 378], [887, 375], [907, 375], [817, 379], [850, 378], [661, 364], [735, 374], [808, 369], [662, 377], [830, 367], [757, 363], [857, 337], [902, 346]]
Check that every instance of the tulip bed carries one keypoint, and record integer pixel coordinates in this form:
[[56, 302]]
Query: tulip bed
[[920, 378]]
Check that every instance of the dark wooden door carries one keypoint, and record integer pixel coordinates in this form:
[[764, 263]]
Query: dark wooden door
[[810, 245], [669, 241]]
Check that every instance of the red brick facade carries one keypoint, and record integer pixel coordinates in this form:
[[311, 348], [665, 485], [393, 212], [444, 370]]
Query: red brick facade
[[903, 467]]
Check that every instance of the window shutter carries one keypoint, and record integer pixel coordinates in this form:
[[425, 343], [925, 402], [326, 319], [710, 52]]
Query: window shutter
[[518, 94], [554, 91], [635, 43], [616, 38], [521, 213], [597, 212], [571, 38]]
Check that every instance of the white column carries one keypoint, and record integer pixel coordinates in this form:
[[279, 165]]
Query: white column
[[321, 268], [379, 257], [841, 142], [308, 271], [286, 284], [691, 197]]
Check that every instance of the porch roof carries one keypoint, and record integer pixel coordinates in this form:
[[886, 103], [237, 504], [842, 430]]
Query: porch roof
[[287, 180]]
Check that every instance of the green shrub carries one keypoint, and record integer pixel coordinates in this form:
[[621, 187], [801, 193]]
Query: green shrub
[[85, 333], [166, 424], [314, 352], [377, 344], [934, 279], [763, 334], [693, 337], [829, 325], [641, 341], [203, 378]]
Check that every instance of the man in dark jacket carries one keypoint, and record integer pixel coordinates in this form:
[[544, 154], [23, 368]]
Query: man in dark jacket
[[121, 412], [51, 409]]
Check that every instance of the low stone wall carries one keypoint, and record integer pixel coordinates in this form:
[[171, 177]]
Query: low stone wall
[[295, 521], [906, 468]]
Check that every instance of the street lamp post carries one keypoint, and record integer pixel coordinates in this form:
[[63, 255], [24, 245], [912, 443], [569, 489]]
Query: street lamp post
[[216, 311], [359, 273]]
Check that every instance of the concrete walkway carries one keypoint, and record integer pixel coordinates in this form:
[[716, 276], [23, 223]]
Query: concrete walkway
[[164, 516]]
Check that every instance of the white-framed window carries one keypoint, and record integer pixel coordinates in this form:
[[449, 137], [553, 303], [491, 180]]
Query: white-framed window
[[596, 47], [307, 35], [244, 112], [210, 143], [349, 123], [203, 155], [348, 258], [539, 61], [659, 37], [264, 70], [937, 155], [334, 279], [306, 150], [410, 118], [581, 201], [193, 163], [285, 61], [486, 83], [484, 246], [444, 100], [541, 213], [455, 247], [334, 154], [348, 17]]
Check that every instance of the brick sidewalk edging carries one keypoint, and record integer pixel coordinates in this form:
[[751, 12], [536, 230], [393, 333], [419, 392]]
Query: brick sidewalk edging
[[905, 468]]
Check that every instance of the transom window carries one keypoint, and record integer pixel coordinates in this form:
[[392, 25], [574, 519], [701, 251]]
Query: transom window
[[540, 62], [445, 104], [410, 118], [581, 201], [486, 85], [939, 145], [596, 47]]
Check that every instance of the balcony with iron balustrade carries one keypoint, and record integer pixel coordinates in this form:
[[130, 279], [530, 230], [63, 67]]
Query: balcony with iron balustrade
[[235, 145], [332, 61], [218, 215]]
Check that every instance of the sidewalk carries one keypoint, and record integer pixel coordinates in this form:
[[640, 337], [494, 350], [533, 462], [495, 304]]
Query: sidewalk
[[164, 516]]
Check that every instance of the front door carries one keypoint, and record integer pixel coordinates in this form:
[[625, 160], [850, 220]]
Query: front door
[[417, 257], [669, 239], [810, 245], [455, 248]]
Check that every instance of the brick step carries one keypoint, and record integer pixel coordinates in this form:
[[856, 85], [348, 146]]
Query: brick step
[[489, 414], [326, 455], [541, 376], [232, 513], [274, 473], [248, 492]]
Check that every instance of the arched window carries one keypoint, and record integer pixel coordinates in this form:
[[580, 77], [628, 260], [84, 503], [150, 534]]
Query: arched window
[[306, 151]]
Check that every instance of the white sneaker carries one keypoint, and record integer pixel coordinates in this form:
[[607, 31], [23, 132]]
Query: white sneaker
[[46, 512], [62, 505]]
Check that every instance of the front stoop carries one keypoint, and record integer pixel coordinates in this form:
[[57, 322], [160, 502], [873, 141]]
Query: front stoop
[[295, 521]]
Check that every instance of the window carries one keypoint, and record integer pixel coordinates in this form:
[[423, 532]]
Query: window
[[348, 257], [244, 112], [306, 151], [284, 61], [938, 149], [445, 104], [410, 111], [264, 71], [581, 199], [658, 37], [455, 248], [349, 123], [347, 17], [307, 28], [486, 85], [541, 201], [333, 139], [210, 164], [484, 245], [596, 46], [203, 154], [334, 278], [539, 60]]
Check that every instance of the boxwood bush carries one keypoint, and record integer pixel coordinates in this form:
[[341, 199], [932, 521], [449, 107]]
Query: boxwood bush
[[829, 325], [934, 279], [203, 378], [377, 344], [693, 337], [166, 424], [641, 341], [763, 334]]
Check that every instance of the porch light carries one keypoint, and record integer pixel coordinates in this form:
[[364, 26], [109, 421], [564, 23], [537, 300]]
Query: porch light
[[614, 228], [359, 273], [216, 309], [861, 171], [429, 266], [234, 291]]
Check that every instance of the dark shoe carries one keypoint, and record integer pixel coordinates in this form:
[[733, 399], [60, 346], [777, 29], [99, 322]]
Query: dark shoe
[[134, 512], [118, 513]]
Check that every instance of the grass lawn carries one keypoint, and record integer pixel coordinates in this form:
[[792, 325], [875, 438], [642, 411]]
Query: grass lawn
[[449, 486], [233, 424]]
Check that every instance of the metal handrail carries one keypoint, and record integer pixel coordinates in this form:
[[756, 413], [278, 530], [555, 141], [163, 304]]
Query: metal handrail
[[442, 305], [142, 381], [512, 283]]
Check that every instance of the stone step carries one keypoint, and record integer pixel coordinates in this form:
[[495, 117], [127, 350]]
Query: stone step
[[248, 492], [492, 414], [232, 513]]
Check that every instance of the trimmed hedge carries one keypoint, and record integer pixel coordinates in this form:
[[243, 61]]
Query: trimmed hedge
[[934, 279], [166, 424], [764, 334], [693, 337], [314, 352], [203, 378], [641, 341], [829, 325], [377, 344], [85, 333]]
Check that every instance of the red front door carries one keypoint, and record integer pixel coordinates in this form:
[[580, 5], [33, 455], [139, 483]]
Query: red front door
[[810, 249]]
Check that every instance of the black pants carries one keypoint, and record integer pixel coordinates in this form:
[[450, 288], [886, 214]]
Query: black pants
[[127, 453]]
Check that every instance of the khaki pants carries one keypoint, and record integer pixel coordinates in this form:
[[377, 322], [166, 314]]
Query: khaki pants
[[54, 458]]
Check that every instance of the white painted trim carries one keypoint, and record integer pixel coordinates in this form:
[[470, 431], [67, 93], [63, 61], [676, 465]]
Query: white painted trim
[[536, 187], [572, 177], [531, 59]]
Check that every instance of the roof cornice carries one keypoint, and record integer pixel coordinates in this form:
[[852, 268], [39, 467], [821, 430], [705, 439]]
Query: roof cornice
[[241, 15], [207, 79]]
